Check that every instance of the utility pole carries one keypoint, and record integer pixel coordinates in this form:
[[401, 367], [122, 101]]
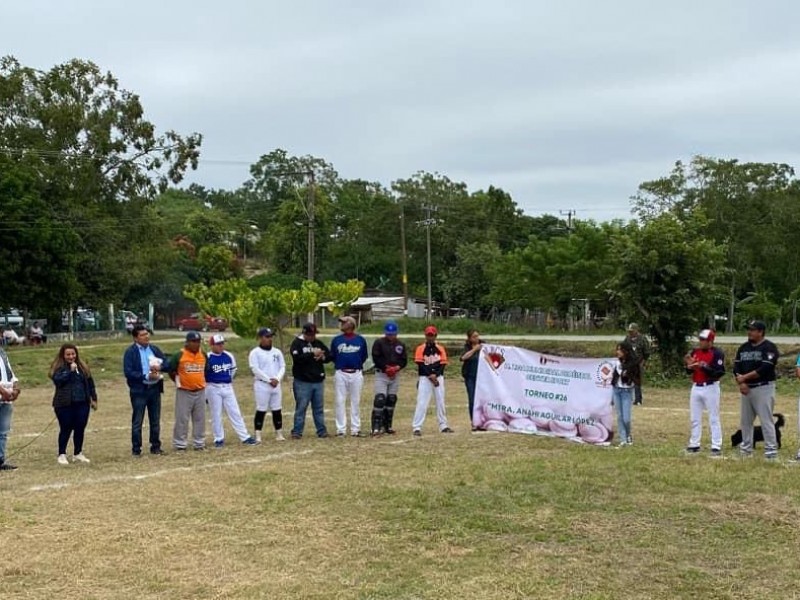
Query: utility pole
[[569, 213], [428, 222], [403, 258], [311, 249]]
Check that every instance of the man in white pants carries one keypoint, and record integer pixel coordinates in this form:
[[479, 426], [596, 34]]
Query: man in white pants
[[349, 352], [431, 359], [707, 365], [220, 371], [268, 367]]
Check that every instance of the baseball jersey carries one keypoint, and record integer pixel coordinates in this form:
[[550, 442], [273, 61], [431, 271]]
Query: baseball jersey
[[220, 368], [267, 364], [761, 358], [431, 359], [349, 351], [715, 365]]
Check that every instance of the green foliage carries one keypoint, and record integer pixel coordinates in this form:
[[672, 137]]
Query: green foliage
[[669, 276], [217, 263], [341, 295]]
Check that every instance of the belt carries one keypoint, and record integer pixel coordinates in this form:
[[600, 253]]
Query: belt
[[349, 370], [759, 384], [705, 383]]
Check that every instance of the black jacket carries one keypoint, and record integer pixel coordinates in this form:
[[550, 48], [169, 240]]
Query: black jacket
[[385, 353], [72, 387], [304, 366]]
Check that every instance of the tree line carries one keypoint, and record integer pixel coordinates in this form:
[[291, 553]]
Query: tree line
[[92, 213]]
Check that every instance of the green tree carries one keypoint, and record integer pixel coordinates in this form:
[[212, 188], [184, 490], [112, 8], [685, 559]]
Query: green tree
[[217, 263], [669, 277]]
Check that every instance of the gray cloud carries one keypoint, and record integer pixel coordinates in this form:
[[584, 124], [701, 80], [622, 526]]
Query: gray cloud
[[566, 105]]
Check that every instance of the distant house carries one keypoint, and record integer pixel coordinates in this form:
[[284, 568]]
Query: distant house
[[366, 309]]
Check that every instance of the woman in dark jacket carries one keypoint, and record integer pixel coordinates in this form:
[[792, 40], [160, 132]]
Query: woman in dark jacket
[[469, 369], [627, 374], [75, 395]]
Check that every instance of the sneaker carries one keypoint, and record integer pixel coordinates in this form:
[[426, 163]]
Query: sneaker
[[324, 435], [199, 448], [716, 453], [447, 430], [771, 457], [158, 451], [220, 443], [62, 459], [692, 449], [251, 441], [137, 454], [390, 431], [622, 444], [294, 436], [80, 458], [377, 433], [797, 457], [743, 454], [279, 436], [355, 434], [629, 441], [258, 437], [417, 433], [340, 434], [4, 466]]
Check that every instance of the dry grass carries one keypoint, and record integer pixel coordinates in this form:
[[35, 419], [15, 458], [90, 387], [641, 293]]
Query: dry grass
[[460, 516]]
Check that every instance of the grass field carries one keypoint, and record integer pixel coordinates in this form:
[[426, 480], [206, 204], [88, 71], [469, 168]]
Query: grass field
[[445, 516]]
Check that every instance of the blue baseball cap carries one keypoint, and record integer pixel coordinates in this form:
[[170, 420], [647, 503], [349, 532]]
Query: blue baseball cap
[[193, 336], [265, 332], [390, 328]]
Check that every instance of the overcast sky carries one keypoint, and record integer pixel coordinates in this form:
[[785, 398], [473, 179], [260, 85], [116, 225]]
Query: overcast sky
[[567, 105]]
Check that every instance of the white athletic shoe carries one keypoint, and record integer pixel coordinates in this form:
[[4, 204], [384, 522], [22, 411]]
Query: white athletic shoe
[[258, 437], [62, 459], [80, 458], [279, 436]]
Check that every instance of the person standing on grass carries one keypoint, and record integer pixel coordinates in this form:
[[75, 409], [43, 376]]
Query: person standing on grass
[[187, 368], [623, 380], [469, 368], [640, 349], [143, 364], [431, 359], [75, 394], [754, 369], [9, 392], [220, 371], [707, 365], [349, 352], [309, 356], [268, 367], [389, 356]]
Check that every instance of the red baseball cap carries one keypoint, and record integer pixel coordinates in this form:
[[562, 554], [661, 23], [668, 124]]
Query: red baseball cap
[[707, 334], [431, 330]]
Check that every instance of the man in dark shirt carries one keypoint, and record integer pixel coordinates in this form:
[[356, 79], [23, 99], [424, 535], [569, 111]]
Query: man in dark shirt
[[754, 368], [389, 356], [640, 348], [309, 356]]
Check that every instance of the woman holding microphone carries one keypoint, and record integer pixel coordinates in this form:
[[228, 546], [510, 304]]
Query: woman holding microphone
[[75, 394]]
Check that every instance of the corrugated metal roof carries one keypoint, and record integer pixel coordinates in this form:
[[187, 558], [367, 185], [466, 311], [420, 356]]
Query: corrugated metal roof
[[366, 301]]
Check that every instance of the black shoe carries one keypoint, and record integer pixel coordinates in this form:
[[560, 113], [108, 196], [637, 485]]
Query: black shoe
[[157, 451], [417, 433], [447, 430], [692, 449], [7, 466], [637, 403], [323, 435], [390, 431], [136, 453]]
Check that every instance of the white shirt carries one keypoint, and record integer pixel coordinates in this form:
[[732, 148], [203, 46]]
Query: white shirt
[[267, 364]]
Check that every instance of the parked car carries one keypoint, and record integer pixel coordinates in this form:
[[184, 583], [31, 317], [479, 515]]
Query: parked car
[[84, 318], [13, 318], [198, 322]]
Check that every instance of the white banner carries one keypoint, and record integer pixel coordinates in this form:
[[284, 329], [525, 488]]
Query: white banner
[[527, 392]]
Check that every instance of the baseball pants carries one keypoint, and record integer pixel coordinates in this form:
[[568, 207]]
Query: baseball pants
[[424, 390], [386, 385], [705, 397], [348, 385], [219, 396], [189, 405], [759, 402], [268, 398]]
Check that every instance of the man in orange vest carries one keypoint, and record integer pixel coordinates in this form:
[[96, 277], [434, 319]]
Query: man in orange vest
[[187, 370]]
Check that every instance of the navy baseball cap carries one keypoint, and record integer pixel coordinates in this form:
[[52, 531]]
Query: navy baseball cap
[[309, 328], [265, 332], [759, 325], [193, 336], [390, 328]]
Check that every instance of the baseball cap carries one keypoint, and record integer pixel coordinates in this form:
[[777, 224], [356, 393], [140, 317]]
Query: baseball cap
[[309, 328], [390, 328], [707, 334], [431, 330], [349, 320], [759, 325], [265, 332], [633, 327], [217, 338], [193, 336]]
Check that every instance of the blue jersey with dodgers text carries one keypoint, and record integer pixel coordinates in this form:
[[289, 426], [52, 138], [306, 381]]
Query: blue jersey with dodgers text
[[349, 351], [220, 368]]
